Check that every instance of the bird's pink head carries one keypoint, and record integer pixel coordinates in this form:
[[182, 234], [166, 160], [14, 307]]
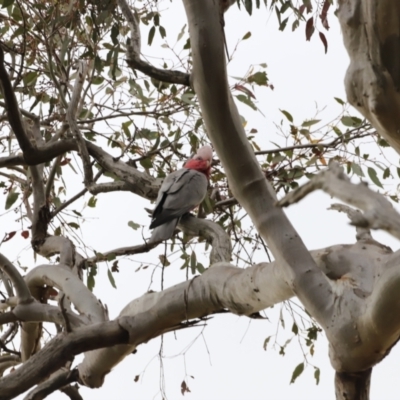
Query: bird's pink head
[[201, 161]]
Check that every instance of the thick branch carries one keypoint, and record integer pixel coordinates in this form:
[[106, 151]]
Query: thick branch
[[353, 386], [246, 180], [23, 293], [52, 384], [371, 37], [378, 212]]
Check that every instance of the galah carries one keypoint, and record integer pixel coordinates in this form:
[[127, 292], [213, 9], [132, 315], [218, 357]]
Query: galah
[[180, 192]]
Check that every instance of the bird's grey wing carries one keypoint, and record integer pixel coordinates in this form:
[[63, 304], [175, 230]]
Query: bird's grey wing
[[180, 196]]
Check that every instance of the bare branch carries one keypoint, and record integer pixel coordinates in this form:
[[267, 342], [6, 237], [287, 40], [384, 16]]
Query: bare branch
[[378, 212], [133, 53], [78, 195], [355, 216], [123, 251]]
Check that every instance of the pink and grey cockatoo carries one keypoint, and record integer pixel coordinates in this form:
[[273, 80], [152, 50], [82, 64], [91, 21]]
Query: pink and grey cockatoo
[[180, 192]]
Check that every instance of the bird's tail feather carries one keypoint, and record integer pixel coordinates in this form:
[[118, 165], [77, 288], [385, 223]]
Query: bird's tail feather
[[164, 231]]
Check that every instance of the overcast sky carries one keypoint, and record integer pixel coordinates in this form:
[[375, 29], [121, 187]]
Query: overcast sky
[[226, 358]]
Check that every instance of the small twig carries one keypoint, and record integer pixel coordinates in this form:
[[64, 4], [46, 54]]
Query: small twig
[[76, 197]]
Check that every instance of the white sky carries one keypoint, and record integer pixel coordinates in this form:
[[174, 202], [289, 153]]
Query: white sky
[[228, 360]]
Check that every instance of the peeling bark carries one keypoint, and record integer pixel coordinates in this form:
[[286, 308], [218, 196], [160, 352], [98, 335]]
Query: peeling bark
[[353, 386], [371, 36]]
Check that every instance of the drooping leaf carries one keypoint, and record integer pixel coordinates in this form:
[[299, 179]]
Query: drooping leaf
[[357, 169], [266, 341], [324, 41], [310, 28], [297, 372], [246, 36], [248, 5], [92, 202], [11, 199], [317, 374], [374, 177], [111, 278], [287, 115], [193, 262], [151, 35]]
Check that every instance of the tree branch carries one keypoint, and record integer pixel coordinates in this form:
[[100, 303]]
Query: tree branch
[[52, 384], [23, 293], [133, 53], [378, 212], [372, 80], [213, 233], [246, 180]]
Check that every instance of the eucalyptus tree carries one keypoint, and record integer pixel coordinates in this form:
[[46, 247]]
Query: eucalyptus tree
[[74, 82]]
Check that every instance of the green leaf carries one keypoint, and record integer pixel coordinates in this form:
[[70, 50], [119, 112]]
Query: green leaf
[[317, 374], [374, 177], [297, 372], [163, 33], [114, 34], [193, 262], [259, 78], [386, 173], [200, 268], [146, 163], [133, 225], [7, 3], [111, 278], [92, 202], [11, 199], [266, 341], [181, 33], [352, 122], [287, 115], [246, 100], [340, 101], [73, 225], [248, 5], [295, 328], [151, 35], [246, 36], [30, 78], [310, 122], [92, 272], [357, 169], [97, 80]]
